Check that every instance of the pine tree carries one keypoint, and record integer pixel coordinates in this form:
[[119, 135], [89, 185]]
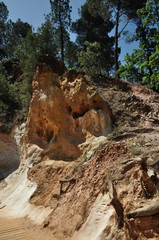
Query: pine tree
[[47, 40], [93, 27], [3, 21], [60, 11], [127, 9], [15, 33]]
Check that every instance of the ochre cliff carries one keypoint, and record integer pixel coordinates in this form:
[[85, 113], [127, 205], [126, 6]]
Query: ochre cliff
[[86, 159], [63, 111]]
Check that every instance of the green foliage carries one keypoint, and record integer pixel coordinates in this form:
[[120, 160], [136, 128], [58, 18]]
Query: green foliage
[[3, 12], [143, 64], [3, 18], [61, 16], [130, 71], [16, 32], [8, 96], [11, 33], [150, 13], [47, 40], [61, 11], [27, 53], [14, 96], [20, 29], [71, 59], [150, 22], [99, 8], [92, 27], [25, 93], [127, 8], [89, 60], [20, 45]]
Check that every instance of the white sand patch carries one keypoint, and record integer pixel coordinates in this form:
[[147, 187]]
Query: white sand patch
[[15, 197]]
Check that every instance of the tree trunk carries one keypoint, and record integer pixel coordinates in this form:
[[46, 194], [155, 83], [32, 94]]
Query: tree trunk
[[116, 38], [148, 51], [61, 40]]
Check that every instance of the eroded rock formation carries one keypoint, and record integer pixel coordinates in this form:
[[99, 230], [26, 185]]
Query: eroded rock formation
[[63, 111]]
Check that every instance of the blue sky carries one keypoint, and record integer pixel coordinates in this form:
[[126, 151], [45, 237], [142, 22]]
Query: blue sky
[[32, 11]]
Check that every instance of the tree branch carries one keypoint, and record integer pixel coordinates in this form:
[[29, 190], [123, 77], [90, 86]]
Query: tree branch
[[124, 27]]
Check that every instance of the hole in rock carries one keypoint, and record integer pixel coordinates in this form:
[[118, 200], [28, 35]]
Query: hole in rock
[[69, 109], [77, 115], [49, 135], [39, 132]]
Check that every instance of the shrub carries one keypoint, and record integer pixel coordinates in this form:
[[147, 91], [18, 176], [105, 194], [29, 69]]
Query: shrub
[[8, 94]]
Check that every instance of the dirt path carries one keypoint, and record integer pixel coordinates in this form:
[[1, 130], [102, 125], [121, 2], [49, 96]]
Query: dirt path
[[22, 229]]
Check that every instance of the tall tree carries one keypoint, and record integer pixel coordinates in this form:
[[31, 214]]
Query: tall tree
[[93, 27], [3, 20], [60, 11], [128, 10], [47, 40], [142, 64], [10, 32], [15, 33], [27, 54]]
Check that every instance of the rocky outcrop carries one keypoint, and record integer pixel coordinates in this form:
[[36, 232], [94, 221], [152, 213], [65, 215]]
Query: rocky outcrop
[[63, 111]]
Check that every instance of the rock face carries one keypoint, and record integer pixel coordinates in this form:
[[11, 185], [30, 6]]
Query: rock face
[[63, 111]]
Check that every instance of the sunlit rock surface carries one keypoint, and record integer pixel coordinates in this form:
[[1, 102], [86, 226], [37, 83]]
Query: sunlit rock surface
[[62, 111]]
